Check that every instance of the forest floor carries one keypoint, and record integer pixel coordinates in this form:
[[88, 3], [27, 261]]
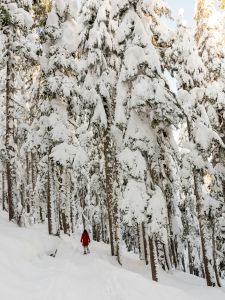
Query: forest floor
[[28, 272]]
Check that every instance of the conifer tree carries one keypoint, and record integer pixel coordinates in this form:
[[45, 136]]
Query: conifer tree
[[211, 50], [51, 133], [16, 23], [191, 75], [97, 81], [145, 107]]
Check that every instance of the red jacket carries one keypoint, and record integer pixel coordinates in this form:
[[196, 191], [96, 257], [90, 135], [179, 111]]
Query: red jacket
[[85, 240]]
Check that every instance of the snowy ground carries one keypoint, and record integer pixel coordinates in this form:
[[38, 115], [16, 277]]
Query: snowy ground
[[28, 272]]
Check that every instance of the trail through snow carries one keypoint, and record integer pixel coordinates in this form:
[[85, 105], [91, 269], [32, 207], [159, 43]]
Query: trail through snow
[[28, 272]]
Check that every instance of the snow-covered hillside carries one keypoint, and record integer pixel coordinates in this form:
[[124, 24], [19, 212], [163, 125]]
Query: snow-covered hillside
[[28, 272]]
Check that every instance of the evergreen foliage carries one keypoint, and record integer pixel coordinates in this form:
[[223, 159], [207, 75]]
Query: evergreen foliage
[[92, 135]]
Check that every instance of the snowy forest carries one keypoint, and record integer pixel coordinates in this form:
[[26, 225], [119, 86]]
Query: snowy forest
[[112, 119]]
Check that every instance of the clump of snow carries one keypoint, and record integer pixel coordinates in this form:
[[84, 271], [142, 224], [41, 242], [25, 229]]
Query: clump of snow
[[156, 209], [99, 116], [134, 201], [139, 131], [133, 162], [69, 38], [204, 135], [20, 16], [52, 20]]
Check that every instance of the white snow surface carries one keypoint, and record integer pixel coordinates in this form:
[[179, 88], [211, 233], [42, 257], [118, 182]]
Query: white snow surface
[[28, 272]]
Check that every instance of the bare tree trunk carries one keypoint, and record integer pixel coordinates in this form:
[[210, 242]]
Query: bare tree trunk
[[222, 161], [109, 186], [153, 259], [50, 202], [174, 256], [27, 189], [190, 258], [145, 243], [64, 211], [166, 255], [82, 205], [9, 167], [102, 226], [197, 176], [140, 246], [214, 256], [9, 132], [72, 215], [33, 170], [41, 213], [3, 192], [206, 260], [116, 233]]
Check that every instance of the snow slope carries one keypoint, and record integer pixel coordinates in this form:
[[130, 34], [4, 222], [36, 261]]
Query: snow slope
[[28, 272]]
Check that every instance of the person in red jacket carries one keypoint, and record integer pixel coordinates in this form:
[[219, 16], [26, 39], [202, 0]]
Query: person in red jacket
[[85, 240]]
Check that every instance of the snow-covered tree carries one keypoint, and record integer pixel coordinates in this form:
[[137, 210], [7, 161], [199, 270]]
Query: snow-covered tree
[[145, 111], [18, 52], [199, 139], [98, 81], [89, 127], [52, 130], [210, 46]]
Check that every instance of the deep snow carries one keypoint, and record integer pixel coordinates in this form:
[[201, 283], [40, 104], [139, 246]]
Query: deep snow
[[28, 272]]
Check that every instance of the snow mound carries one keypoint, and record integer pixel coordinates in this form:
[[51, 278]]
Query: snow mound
[[29, 272]]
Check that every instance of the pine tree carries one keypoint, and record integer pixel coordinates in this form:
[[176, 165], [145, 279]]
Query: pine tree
[[145, 107], [211, 50], [98, 80], [191, 75], [51, 132], [16, 23]]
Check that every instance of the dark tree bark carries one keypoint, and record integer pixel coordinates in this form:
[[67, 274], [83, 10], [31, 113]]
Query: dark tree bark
[[202, 226], [109, 186], [3, 192], [10, 127], [174, 254], [145, 243], [166, 258], [198, 178], [214, 256], [64, 213], [153, 259], [51, 207], [190, 260]]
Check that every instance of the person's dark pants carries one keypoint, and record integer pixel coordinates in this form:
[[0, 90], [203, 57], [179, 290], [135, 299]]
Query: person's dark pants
[[86, 250]]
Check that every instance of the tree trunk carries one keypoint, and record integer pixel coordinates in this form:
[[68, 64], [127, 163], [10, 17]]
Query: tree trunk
[[166, 255], [102, 226], [174, 255], [190, 258], [214, 256], [9, 139], [140, 244], [64, 203], [153, 259], [145, 243], [50, 202], [197, 176], [109, 187], [222, 161], [117, 233], [206, 260], [3, 192]]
